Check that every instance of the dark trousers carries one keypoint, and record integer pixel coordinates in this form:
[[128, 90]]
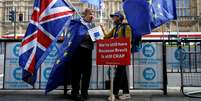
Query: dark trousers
[[120, 80], [81, 70], [67, 76]]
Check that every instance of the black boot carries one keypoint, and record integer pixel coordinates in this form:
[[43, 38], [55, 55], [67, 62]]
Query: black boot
[[85, 96], [76, 97]]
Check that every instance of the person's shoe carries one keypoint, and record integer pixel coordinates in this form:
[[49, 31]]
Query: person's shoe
[[85, 96], [125, 96], [112, 97], [76, 98]]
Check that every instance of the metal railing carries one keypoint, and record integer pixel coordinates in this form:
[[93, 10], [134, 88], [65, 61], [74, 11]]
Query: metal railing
[[190, 67]]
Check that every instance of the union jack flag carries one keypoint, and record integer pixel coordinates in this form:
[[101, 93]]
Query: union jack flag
[[47, 23]]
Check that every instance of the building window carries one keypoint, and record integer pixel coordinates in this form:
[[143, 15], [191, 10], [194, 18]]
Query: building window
[[28, 13], [183, 7]]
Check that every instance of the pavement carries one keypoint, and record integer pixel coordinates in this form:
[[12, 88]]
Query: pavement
[[94, 95]]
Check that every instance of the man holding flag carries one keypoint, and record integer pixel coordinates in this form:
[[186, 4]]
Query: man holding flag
[[77, 55], [82, 61]]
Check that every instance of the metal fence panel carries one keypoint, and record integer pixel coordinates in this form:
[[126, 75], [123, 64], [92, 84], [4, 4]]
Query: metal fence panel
[[190, 62]]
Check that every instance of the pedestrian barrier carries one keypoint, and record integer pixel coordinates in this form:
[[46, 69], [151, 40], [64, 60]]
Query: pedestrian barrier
[[190, 67]]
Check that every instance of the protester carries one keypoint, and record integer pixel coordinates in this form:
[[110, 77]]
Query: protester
[[82, 61], [121, 30]]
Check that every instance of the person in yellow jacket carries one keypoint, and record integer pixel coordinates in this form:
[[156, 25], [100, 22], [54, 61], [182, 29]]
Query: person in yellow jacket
[[120, 30]]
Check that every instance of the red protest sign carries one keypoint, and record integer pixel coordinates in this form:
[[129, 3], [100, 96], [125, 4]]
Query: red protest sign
[[113, 51]]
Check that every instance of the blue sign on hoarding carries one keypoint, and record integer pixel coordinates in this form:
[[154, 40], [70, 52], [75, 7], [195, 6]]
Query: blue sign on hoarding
[[17, 73], [148, 50], [149, 73], [46, 73], [16, 50], [53, 52], [178, 54]]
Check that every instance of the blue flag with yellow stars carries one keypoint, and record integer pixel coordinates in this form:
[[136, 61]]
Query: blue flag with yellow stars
[[162, 11], [145, 15], [138, 15], [77, 31]]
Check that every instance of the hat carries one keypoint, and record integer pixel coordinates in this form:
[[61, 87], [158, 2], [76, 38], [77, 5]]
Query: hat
[[118, 13]]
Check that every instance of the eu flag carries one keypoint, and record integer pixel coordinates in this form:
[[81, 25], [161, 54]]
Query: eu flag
[[77, 31], [162, 11], [145, 15], [138, 15]]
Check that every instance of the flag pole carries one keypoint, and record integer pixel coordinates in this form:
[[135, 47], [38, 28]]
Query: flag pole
[[162, 30], [101, 7], [101, 15], [177, 28], [111, 87]]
